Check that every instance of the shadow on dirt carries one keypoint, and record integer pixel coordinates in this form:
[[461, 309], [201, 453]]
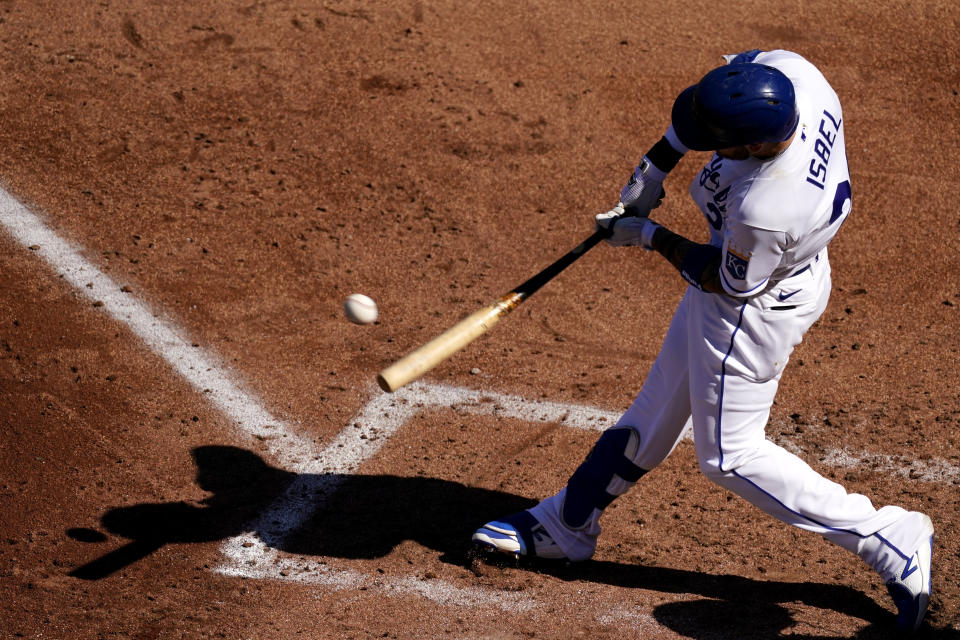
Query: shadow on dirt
[[371, 515], [242, 485], [737, 607]]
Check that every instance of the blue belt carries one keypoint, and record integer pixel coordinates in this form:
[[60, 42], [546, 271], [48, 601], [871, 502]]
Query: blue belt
[[816, 258]]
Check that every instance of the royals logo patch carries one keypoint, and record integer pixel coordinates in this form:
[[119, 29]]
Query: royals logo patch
[[736, 264]]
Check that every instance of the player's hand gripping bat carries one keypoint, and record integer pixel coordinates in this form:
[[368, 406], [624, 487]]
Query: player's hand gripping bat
[[418, 362]]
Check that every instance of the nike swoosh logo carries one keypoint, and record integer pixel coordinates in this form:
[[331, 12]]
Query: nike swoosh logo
[[783, 296], [909, 569]]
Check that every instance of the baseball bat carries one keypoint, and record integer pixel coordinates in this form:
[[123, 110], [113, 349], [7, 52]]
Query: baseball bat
[[418, 362]]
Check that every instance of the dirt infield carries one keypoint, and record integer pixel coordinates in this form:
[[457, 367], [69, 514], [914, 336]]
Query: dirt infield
[[194, 446]]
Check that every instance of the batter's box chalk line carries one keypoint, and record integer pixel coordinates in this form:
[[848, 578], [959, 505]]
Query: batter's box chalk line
[[257, 555]]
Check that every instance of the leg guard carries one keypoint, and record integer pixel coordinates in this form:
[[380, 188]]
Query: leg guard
[[607, 472]]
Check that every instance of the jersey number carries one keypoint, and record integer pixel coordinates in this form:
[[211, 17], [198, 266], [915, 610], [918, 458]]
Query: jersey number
[[718, 208], [842, 201]]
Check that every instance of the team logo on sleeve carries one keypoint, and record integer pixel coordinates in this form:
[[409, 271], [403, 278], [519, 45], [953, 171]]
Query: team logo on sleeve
[[736, 263]]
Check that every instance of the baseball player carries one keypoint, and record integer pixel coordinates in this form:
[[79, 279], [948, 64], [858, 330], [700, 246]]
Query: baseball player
[[774, 193]]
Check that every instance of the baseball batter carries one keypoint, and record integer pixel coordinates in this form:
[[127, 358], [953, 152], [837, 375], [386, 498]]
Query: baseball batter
[[774, 193]]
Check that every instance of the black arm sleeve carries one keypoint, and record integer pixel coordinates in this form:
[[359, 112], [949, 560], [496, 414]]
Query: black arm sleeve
[[699, 264], [663, 156]]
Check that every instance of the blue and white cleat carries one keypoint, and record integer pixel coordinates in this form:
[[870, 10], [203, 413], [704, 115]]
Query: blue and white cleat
[[910, 586], [519, 534]]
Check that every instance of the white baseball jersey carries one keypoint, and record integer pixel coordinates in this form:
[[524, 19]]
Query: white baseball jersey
[[773, 217]]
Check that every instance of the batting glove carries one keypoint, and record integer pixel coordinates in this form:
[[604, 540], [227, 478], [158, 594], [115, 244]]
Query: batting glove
[[626, 230], [644, 191]]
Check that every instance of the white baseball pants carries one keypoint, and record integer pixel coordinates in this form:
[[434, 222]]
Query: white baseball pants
[[719, 368]]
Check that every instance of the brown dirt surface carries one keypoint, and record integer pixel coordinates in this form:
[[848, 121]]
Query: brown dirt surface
[[241, 166]]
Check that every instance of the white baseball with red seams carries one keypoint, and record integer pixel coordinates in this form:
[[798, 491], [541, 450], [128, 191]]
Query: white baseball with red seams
[[360, 309]]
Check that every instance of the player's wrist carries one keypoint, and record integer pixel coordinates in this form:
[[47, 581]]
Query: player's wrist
[[647, 233], [651, 171], [662, 157]]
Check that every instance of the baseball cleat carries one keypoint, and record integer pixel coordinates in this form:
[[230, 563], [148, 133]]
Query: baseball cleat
[[519, 535], [910, 587]]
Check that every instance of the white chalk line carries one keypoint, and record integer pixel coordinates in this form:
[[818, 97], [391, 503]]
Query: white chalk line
[[256, 554], [317, 473], [202, 370], [320, 472]]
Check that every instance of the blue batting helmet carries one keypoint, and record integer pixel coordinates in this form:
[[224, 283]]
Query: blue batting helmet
[[736, 104]]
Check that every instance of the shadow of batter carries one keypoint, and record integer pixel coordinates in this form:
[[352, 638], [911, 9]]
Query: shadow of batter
[[241, 484], [372, 513]]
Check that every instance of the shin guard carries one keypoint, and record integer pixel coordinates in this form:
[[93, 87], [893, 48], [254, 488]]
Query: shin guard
[[607, 472]]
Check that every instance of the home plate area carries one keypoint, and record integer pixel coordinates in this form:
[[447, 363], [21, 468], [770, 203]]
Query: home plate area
[[257, 554], [311, 535]]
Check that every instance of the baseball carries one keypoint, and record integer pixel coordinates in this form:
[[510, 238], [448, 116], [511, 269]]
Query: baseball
[[360, 309]]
